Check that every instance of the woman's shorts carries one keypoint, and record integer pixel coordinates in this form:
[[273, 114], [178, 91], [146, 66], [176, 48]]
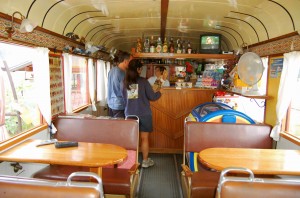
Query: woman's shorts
[[145, 123]]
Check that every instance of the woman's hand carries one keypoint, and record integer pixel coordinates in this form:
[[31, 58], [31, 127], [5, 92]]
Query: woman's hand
[[165, 75], [156, 87]]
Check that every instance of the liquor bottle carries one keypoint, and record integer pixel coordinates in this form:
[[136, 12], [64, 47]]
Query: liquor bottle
[[165, 46], [158, 45], [179, 47], [171, 45], [184, 51], [147, 45], [189, 48], [138, 45], [199, 69], [152, 45]]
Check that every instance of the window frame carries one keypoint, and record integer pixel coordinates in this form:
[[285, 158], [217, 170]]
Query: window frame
[[25, 134], [43, 126], [22, 136], [285, 129]]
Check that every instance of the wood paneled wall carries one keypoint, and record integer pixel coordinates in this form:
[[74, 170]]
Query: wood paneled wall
[[169, 113]]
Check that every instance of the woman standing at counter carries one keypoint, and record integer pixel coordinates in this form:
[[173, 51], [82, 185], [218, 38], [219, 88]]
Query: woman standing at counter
[[137, 93]]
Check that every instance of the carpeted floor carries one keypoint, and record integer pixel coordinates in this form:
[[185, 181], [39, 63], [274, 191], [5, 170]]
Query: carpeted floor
[[163, 179]]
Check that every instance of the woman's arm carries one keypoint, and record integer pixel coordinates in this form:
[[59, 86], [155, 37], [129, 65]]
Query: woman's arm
[[151, 95]]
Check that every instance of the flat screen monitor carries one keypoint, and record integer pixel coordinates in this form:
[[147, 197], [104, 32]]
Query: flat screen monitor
[[210, 43]]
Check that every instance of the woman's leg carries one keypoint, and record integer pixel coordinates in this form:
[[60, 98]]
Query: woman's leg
[[147, 162], [145, 128], [145, 144]]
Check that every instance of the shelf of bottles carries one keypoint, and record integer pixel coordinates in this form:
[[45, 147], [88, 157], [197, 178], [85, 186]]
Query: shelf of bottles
[[174, 50], [183, 56]]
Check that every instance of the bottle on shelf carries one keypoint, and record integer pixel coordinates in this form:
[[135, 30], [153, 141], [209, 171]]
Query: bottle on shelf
[[165, 46], [152, 45], [199, 69], [147, 45], [159, 45], [179, 47], [189, 48], [184, 51], [171, 46], [138, 48]]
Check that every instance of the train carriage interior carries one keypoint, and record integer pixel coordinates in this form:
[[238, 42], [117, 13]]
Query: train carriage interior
[[232, 102]]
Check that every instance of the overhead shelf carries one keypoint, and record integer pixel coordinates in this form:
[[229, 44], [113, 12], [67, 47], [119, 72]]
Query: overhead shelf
[[249, 96], [185, 56]]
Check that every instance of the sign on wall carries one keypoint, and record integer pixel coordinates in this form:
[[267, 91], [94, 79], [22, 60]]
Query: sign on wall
[[276, 67]]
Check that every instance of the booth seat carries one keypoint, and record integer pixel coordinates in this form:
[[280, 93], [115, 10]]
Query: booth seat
[[14, 186], [121, 179], [251, 186], [201, 181]]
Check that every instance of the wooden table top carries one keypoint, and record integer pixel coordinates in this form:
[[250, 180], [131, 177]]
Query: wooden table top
[[260, 161], [86, 154]]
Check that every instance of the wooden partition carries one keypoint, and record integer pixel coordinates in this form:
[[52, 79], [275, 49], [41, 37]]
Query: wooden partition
[[169, 113]]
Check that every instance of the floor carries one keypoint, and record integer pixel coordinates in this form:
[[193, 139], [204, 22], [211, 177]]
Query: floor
[[163, 179]]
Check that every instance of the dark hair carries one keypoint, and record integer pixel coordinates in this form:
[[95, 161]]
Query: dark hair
[[161, 69], [131, 73], [123, 56]]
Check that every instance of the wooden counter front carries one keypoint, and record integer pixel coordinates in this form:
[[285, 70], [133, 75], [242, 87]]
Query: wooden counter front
[[169, 113]]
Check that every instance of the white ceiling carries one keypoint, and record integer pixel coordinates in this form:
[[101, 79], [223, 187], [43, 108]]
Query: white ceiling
[[119, 23]]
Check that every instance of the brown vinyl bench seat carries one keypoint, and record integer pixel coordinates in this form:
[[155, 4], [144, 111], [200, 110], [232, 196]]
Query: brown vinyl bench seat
[[202, 135], [250, 186], [13, 186], [115, 181], [121, 179]]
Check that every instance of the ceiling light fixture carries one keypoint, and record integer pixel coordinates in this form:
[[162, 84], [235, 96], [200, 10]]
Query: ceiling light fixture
[[26, 25]]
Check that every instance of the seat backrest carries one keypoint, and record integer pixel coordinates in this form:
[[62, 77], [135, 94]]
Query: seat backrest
[[124, 133], [202, 135], [11, 187], [249, 187]]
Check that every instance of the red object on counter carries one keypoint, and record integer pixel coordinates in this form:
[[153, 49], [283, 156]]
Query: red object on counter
[[220, 93]]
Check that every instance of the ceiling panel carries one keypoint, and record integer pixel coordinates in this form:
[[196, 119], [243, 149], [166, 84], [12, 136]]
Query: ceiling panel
[[120, 23]]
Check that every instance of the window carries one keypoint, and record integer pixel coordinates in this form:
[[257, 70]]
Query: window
[[19, 109], [79, 83], [293, 115], [288, 105]]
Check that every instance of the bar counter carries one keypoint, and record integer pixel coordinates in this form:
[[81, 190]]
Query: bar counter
[[169, 112]]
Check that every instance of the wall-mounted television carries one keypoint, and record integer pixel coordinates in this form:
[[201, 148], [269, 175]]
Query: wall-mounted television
[[210, 43]]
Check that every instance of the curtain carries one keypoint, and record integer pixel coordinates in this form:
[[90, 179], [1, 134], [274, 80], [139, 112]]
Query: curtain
[[101, 86], [41, 70], [106, 77], [92, 83], [67, 81], [3, 131], [107, 69], [289, 75], [263, 86]]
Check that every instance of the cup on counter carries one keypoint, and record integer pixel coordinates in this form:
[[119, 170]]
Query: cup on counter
[[178, 84], [188, 84]]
